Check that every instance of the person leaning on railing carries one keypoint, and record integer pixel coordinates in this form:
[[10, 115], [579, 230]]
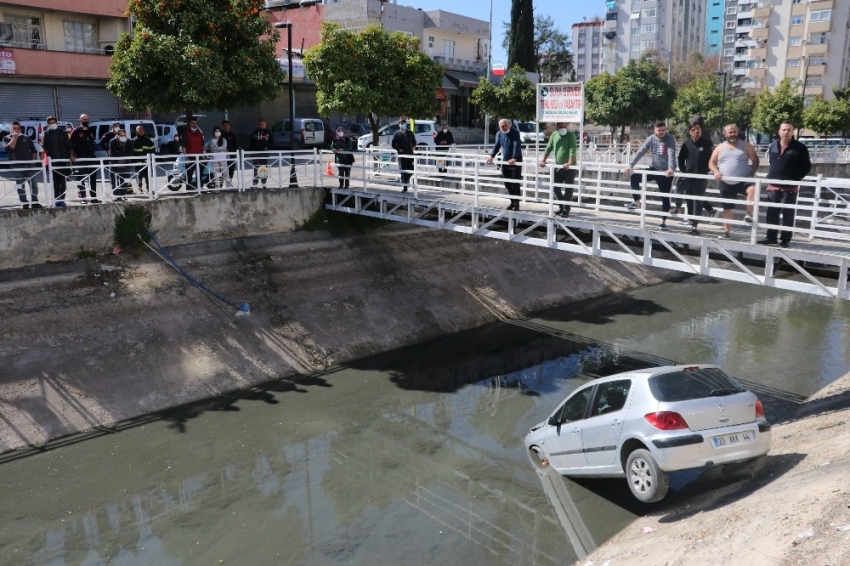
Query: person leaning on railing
[[20, 147], [563, 143], [662, 146], [57, 146]]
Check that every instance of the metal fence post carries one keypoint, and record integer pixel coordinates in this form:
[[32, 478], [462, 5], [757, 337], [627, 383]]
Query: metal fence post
[[814, 221]]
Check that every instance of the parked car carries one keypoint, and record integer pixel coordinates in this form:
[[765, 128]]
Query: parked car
[[101, 127], [644, 424], [309, 134], [351, 132], [528, 133], [424, 130], [167, 140]]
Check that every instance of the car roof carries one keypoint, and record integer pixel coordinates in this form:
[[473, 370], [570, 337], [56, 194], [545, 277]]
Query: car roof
[[653, 371]]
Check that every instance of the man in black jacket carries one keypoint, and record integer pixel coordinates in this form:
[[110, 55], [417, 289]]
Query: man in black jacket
[[789, 161], [444, 140], [261, 140], [142, 147], [57, 146], [509, 142], [404, 143], [693, 158], [83, 143], [20, 147]]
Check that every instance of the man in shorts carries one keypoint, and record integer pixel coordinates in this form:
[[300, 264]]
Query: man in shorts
[[734, 158]]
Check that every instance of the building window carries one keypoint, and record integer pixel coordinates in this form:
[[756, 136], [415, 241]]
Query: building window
[[649, 13], [731, 10], [728, 52], [80, 37], [820, 16], [644, 45], [795, 41], [448, 49], [797, 20], [819, 38], [647, 29], [635, 47], [635, 31], [796, 1], [26, 31], [731, 24], [815, 61], [814, 81], [792, 63], [728, 38]]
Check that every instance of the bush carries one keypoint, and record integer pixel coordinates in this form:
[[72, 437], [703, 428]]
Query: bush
[[132, 225]]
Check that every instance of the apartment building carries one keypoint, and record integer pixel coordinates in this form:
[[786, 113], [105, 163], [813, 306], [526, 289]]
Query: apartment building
[[55, 56], [673, 28], [766, 41], [460, 43], [588, 48], [714, 26]]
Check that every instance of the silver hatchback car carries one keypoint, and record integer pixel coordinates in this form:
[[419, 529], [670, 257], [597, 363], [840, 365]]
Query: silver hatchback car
[[644, 424]]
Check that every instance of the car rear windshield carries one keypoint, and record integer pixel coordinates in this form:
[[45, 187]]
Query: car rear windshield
[[692, 384], [526, 127]]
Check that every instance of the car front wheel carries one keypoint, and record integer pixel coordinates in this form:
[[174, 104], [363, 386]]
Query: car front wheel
[[648, 482]]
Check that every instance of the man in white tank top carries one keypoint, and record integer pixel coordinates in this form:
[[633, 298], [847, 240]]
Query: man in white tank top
[[734, 158]]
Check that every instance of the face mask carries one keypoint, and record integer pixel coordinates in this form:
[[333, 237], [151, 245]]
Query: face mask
[[562, 131], [115, 130], [53, 126], [84, 124], [402, 126], [339, 133], [217, 134], [445, 130], [194, 128], [122, 138]]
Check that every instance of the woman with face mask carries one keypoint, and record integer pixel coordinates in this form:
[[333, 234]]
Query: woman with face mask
[[217, 146]]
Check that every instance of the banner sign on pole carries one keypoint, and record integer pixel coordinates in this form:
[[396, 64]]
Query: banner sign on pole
[[560, 102]]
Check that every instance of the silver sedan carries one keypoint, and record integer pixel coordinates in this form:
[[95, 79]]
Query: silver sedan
[[643, 424]]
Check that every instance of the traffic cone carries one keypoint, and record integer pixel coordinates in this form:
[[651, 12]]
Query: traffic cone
[[330, 170]]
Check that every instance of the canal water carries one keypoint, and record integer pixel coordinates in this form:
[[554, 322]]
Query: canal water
[[411, 457]]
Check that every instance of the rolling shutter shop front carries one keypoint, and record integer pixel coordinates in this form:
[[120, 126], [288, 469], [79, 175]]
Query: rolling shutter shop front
[[97, 102], [26, 101]]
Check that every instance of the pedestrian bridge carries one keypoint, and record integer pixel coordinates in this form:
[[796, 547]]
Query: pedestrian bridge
[[461, 193]]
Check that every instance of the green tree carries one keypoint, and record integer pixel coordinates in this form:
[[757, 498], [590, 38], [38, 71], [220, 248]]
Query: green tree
[[827, 116], [603, 104], [772, 108], [196, 54], [521, 46], [700, 96], [552, 50], [372, 72], [739, 109], [514, 98], [644, 86]]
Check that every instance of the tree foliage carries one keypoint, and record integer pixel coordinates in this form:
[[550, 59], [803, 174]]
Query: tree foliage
[[372, 72], [739, 109], [552, 49], [514, 98], [772, 108], [696, 66], [827, 116], [603, 104], [701, 96], [521, 45], [193, 54]]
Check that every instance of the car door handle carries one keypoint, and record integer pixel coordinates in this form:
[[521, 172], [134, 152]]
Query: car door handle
[[615, 422], [576, 430]]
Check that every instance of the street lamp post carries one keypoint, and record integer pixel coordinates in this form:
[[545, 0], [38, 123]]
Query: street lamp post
[[293, 175], [722, 100]]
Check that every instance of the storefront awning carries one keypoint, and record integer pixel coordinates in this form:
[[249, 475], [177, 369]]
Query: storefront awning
[[460, 78], [448, 84]]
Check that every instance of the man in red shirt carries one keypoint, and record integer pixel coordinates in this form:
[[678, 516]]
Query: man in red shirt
[[192, 144]]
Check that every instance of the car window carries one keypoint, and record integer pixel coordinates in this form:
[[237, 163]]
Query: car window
[[277, 127], [693, 384], [160, 131], [423, 128], [610, 397], [526, 127], [575, 408], [392, 129], [312, 126]]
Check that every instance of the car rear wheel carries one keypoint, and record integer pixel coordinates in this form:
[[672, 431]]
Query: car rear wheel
[[648, 482]]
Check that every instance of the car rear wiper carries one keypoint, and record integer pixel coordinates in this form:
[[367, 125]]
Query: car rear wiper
[[722, 392]]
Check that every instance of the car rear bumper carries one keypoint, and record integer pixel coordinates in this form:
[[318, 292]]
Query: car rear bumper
[[695, 450]]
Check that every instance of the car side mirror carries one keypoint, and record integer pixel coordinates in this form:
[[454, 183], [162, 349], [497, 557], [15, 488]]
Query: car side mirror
[[553, 421]]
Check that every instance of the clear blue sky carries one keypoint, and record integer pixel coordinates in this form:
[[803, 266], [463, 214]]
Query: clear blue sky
[[563, 12]]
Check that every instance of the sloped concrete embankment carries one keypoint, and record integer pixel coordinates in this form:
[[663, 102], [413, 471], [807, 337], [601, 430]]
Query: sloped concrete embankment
[[76, 358]]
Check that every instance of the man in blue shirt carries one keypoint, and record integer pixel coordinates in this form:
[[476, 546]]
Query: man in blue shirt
[[507, 139]]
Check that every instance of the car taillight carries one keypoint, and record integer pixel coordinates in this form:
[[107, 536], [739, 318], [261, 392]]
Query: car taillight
[[302, 133], [666, 420], [759, 409]]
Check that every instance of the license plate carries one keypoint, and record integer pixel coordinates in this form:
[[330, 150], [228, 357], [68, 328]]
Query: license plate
[[730, 439]]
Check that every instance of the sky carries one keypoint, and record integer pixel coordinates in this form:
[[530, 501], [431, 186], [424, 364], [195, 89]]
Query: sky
[[564, 13]]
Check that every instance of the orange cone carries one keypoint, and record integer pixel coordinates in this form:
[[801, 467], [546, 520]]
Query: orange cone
[[330, 171]]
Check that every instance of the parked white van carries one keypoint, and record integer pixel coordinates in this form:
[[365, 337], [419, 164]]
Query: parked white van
[[424, 130]]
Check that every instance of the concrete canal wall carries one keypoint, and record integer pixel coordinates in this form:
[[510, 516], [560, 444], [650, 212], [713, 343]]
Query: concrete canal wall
[[93, 341]]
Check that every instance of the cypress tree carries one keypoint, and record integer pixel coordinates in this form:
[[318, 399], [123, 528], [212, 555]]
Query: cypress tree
[[521, 46]]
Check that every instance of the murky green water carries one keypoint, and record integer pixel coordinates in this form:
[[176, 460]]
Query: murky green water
[[412, 457]]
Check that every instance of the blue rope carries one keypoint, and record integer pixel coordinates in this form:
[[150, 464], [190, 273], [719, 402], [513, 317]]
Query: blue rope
[[244, 307]]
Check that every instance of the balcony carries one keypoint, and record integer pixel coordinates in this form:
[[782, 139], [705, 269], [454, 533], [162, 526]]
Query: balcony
[[757, 73], [813, 90], [758, 53], [821, 5], [816, 70], [109, 8], [819, 27], [815, 49], [60, 65], [760, 33], [464, 65], [763, 13]]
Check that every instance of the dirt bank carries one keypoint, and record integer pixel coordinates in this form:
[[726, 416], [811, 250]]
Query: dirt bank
[[794, 511], [103, 339]]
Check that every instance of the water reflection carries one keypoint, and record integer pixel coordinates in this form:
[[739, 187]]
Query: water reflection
[[414, 456]]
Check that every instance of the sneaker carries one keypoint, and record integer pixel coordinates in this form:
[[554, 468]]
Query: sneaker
[[727, 235], [748, 218], [685, 222], [712, 213], [664, 228], [694, 232], [784, 244], [60, 203], [631, 206], [36, 205], [767, 242]]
